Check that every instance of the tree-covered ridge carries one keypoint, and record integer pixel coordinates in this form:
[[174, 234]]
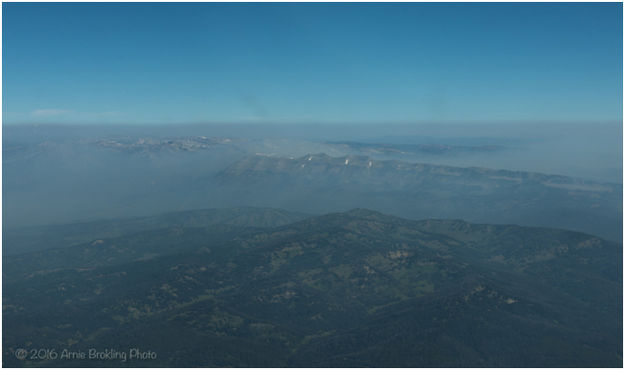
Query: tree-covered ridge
[[358, 288]]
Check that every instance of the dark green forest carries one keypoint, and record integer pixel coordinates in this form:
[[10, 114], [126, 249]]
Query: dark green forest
[[256, 287]]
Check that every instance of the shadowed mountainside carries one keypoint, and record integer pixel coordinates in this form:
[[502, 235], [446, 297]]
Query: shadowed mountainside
[[28, 239]]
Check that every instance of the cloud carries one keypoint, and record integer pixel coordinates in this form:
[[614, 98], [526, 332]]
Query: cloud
[[49, 112]]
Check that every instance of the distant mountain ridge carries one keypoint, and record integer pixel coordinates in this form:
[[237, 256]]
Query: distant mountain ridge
[[418, 191], [309, 163], [415, 149]]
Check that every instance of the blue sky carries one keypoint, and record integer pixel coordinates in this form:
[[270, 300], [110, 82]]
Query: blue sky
[[311, 62]]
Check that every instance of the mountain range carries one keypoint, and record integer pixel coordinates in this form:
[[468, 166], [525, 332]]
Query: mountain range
[[54, 181], [256, 288], [418, 190]]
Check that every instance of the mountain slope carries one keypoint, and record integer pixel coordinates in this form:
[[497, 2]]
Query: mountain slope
[[27, 239], [358, 288]]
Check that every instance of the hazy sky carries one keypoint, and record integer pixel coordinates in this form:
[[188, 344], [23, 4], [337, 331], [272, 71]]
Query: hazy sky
[[311, 62]]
